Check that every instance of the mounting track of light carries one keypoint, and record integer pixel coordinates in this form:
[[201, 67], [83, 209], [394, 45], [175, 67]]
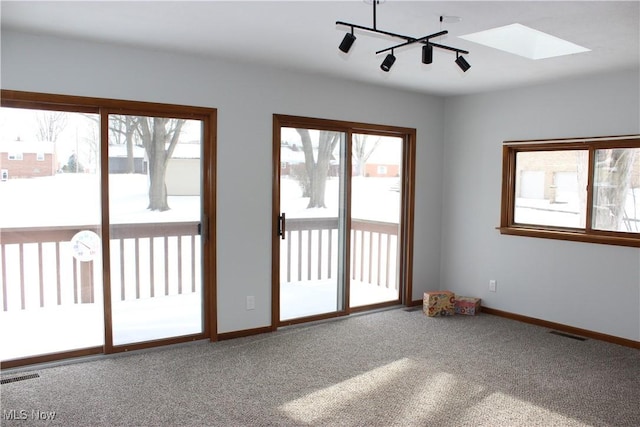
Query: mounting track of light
[[427, 49]]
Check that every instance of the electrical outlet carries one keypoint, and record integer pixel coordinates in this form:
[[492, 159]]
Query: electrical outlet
[[492, 285], [251, 303]]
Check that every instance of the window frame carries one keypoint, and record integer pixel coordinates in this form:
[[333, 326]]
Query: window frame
[[405, 263], [588, 234], [104, 107]]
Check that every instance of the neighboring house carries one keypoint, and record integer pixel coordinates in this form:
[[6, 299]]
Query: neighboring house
[[292, 155], [118, 159], [381, 170], [27, 159], [385, 159], [183, 171], [183, 176], [553, 175]]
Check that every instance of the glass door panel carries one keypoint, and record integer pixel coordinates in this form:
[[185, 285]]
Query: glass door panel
[[154, 213], [312, 209], [50, 237], [376, 193]]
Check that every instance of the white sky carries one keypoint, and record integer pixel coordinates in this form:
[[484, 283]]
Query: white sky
[[388, 151], [79, 131]]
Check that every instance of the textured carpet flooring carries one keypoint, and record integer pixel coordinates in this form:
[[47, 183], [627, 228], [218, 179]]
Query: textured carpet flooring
[[390, 368]]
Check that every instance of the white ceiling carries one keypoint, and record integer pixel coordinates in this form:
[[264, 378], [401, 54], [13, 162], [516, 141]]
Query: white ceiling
[[302, 35]]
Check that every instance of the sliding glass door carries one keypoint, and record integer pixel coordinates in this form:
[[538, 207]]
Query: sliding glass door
[[154, 213], [343, 240], [312, 222], [105, 241], [376, 190], [50, 233]]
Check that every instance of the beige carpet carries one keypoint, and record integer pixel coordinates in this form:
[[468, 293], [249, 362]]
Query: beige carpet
[[390, 368]]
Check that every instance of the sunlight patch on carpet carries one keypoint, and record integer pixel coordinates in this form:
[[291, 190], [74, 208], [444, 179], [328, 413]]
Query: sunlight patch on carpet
[[509, 410], [325, 403], [433, 394]]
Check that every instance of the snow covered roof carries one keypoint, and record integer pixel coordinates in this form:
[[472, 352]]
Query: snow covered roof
[[287, 155], [120, 150], [187, 150], [182, 151], [46, 147], [295, 155]]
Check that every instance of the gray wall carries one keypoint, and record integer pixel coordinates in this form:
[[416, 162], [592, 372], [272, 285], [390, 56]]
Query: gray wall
[[590, 286], [246, 98], [457, 247]]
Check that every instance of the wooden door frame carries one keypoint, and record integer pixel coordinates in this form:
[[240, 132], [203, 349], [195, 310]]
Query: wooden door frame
[[405, 261], [104, 106]]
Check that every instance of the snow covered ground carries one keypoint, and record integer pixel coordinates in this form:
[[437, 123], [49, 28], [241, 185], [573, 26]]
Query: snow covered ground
[[299, 299], [74, 200], [567, 214], [372, 198], [63, 328]]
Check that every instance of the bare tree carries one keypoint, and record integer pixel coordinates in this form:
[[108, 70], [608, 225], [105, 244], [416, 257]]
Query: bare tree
[[91, 145], [362, 149], [50, 125], [159, 137], [122, 130], [613, 180], [318, 169]]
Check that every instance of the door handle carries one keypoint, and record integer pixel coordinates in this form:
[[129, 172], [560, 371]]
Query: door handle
[[203, 228], [282, 225]]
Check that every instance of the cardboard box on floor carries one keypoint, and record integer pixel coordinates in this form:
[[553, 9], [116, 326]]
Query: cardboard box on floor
[[438, 303], [467, 305]]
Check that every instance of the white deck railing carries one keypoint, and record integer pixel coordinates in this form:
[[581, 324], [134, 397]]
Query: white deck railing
[[37, 268]]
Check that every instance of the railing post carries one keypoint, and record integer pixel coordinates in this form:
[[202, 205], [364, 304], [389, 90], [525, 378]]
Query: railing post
[[86, 282]]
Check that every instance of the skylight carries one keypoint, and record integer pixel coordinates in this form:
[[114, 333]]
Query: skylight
[[524, 41]]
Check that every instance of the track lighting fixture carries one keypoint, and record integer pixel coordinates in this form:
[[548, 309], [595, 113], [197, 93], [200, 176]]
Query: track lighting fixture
[[347, 41], [462, 63], [427, 54], [427, 48], [388, 62]]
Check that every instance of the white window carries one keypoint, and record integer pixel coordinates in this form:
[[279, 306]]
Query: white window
[[40, 157], [15, 156]]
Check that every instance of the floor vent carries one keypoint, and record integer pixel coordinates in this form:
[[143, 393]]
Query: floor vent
[[416, 308], [562, 334], [20, 378]]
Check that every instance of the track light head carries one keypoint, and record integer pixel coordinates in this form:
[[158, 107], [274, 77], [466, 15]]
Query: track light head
[[462, 63], [347, 41], [427, 54], [388, 62]]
